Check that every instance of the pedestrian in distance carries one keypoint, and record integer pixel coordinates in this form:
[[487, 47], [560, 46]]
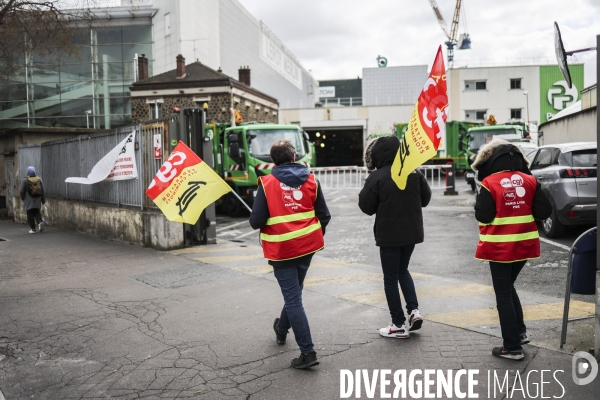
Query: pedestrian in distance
[[32, 195], [398, 228], [507, 205], [291, 212]]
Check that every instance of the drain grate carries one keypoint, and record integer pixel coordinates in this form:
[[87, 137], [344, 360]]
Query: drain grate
[[185, 275]]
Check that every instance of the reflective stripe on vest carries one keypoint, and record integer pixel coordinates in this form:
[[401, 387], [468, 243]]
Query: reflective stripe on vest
[[510, 220], [291, 218], [290, 235], [509, 238]]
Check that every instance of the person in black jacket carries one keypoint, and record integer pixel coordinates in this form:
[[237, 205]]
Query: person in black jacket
[[497, 157], [398, 227]]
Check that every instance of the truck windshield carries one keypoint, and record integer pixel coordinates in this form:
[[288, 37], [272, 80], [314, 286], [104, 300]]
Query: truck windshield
[[479, 138], [260, 141]]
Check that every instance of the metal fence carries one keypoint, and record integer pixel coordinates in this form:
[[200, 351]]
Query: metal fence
[[354, 177], [75, 157]]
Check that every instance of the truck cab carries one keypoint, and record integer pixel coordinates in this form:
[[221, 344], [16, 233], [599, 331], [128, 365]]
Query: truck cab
[[242, 155], [479, 136]]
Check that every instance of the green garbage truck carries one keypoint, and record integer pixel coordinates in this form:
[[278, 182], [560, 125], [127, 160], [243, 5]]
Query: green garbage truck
[[241, 155]]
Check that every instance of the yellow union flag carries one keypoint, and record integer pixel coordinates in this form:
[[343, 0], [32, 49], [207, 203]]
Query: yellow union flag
[[427, 125], [184, 186]]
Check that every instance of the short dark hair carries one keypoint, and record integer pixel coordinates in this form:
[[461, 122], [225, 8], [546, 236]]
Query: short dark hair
[[282, 151]]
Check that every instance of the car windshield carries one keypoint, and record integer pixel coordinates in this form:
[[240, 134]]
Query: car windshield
[[479, 138], [261, 140], [584, 158]]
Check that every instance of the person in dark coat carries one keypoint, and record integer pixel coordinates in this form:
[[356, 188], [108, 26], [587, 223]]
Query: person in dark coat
[[290, 271], [398, 228], [32, 203], [507, 205]]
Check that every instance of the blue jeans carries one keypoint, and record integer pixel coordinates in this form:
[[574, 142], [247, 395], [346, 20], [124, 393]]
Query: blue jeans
[[509, 307], [291, 282], [394, 262]]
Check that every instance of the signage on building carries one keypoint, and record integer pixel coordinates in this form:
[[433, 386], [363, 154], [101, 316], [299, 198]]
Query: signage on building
[[326, 91], [157, 146], [278, 57], [555, 94]]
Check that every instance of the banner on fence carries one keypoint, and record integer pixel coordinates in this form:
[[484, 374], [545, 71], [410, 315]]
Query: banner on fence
[[426, 126], [185, 185], [119, 164]]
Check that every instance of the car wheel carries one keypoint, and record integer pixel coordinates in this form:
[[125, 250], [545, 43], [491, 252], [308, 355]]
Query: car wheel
[[552, 227]]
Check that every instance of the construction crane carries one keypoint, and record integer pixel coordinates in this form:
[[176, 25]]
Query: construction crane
[[464, 41]]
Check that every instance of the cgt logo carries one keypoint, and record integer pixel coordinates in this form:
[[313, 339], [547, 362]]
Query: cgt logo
[[582, 364], [560, 96]]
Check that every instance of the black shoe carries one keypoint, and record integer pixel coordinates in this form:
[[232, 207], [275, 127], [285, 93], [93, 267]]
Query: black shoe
[[511, 355], [280, 337], [524, 339], [305, 361]]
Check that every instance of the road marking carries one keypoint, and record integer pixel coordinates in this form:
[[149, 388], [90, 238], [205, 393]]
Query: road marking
[[213, 249], [231, 226], [332, 193], [531, 312], [229, 233], [255, 270], [247, 234], [553, 243], [427, 292], [341, 279], [228, 259], [336, 199]]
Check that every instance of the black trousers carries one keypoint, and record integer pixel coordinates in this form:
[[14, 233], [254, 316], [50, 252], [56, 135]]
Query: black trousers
[[33, 216], [509, 307], [394, 262]]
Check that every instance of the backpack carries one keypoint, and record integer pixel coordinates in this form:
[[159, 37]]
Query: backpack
[[34, 188]]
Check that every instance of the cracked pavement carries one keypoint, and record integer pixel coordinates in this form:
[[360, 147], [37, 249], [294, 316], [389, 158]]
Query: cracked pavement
[[84, 318]]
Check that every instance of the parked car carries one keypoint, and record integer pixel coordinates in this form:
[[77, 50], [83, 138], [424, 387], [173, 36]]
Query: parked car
[[567, 174]]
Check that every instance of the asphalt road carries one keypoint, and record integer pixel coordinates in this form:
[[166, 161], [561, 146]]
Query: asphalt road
[[451, 235]]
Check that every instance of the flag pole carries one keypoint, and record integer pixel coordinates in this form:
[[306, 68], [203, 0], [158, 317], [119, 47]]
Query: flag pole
[[240, 199]]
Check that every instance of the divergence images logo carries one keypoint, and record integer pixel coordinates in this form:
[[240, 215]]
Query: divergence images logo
[[513, 187], [560, 97], [582, 363]]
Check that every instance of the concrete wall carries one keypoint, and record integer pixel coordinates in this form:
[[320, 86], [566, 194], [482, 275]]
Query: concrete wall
[[149, 229], [378, 118], [578, 127]]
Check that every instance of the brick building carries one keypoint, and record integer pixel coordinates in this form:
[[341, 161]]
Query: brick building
[[192, 85]]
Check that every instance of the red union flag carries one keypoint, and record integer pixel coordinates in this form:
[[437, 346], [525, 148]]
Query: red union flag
[[427, 124], [184, 186]]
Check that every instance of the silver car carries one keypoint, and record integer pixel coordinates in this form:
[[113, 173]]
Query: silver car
[[567, 174]]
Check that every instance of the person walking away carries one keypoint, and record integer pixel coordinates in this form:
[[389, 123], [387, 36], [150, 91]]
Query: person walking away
[[32, 195], [509, 202], [398, 228], [291, 212]]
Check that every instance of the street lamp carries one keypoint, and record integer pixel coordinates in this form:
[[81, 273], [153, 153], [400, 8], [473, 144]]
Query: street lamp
[[526, 93], [87, 117]]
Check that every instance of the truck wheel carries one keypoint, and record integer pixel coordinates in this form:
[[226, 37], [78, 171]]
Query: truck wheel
[[473, 186], [232, 206], [552, 227]]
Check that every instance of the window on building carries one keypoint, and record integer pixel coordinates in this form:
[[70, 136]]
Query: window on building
[[515, 83], [475, 115], [475, 85], [515, 113], [155, 110]]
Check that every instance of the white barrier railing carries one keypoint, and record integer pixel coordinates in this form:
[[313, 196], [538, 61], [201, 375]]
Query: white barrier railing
[[354, 177], [341, 177]]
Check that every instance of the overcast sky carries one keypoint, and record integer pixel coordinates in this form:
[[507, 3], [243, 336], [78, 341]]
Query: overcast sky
[[335, 39]]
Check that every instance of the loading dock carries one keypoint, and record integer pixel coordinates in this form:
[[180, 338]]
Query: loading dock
[[337, 143]]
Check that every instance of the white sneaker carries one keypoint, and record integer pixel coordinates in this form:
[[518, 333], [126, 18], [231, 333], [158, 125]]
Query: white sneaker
[[41, 226], [415, 320], [31, 231], [394, 332]]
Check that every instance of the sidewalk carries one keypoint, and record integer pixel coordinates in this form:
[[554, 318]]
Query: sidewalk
[[87, 318]]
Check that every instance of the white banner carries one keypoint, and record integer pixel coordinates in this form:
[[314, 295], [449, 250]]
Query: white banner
[[117, 165]]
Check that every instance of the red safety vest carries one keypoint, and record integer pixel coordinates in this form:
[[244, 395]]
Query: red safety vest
[[292, 230], [512, 235]]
